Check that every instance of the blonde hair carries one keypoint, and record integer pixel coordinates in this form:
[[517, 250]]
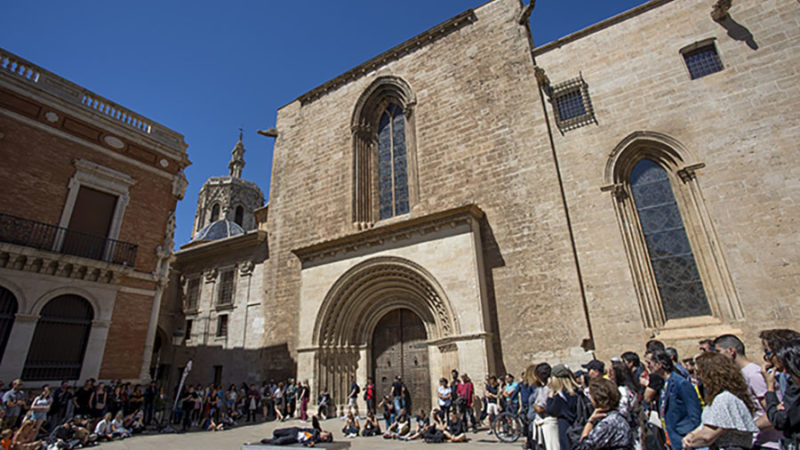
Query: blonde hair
[[558, 384], [530, 375]]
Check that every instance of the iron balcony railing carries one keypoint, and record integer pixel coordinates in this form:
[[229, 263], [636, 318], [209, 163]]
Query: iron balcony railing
[[44, 236]]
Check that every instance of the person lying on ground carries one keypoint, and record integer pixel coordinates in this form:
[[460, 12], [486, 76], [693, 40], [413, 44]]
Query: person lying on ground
[[296, 435]]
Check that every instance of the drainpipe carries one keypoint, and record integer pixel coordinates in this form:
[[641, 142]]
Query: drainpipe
[[543, 83]]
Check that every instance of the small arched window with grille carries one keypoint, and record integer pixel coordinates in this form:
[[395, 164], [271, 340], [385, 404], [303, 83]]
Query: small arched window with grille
[[59, 340], [8, 310]]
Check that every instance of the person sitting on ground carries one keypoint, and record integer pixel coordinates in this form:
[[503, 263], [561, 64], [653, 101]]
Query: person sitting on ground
[[371, 425], [135, 422], [25, 437], [400, 427], [456, 430], [351, 427], [423, 426], [210, 425], [727, 421], [388, 410], [296, 435], [606, 427], [118, 428], [103, 428]]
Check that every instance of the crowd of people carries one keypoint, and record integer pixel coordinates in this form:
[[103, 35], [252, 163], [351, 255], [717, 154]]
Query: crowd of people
[[718, 399]]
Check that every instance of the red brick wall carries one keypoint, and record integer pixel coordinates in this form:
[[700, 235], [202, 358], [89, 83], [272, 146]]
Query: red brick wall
[[126, 336], [35, 170]]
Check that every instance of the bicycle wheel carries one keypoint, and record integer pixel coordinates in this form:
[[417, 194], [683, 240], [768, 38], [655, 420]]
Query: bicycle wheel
[[506, 427]]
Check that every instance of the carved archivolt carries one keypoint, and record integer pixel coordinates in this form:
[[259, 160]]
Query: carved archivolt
[[366, 292]]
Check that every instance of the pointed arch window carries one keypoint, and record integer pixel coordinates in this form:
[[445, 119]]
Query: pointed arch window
[[668, 248], [214, 213], [674, 255], [392, 167], [384, 152]]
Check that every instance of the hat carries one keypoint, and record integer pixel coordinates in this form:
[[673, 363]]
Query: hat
[[596, 365], [560, 371]]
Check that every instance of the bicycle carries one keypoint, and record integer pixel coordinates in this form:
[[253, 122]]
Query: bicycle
[[507, 427]]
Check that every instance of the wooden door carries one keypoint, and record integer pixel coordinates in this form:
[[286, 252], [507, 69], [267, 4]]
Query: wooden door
[[399, 348]]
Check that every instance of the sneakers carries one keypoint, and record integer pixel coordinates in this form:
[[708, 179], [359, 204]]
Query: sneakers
[[489, 433]]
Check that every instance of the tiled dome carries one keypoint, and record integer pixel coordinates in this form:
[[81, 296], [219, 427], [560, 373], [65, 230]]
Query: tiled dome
[[220, 229]]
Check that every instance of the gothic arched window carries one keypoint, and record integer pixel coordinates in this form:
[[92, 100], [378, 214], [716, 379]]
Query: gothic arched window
[[214, 213], [59, 340], [671, 257], [392, 167], [8, 310], [384, 170], [673, 253]]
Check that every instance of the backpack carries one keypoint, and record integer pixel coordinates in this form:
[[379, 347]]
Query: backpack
[[583, 410]]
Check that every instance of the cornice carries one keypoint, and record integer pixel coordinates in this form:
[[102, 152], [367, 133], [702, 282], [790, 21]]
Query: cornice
[[599, 26], [218, 247], [420, 40], [378, 235]]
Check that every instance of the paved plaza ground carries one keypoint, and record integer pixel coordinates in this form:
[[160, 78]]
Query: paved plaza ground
[[233, 439]]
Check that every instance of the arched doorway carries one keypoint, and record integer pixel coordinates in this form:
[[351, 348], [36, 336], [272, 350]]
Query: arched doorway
[[8, 310], [399, 348], [59, 341]]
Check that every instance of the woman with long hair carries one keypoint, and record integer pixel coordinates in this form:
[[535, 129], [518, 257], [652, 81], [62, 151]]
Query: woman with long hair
[[562, 403], [727, 421], [629, 402]]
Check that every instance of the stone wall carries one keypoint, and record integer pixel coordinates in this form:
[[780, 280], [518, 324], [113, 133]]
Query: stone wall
[[740, 122]]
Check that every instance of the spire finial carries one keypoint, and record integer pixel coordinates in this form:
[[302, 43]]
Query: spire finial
[[237, 159]]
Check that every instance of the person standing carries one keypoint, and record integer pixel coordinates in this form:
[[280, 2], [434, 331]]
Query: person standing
[[398, 393], [323, 400], [785, 415], [14, 401], [252, 403], [352, 397], [728, 418], [369, 395], [733, 347], [679, 405], [187, 405], [305, 395], [149, 401], [445, 398], [466, 390], [291, 398]]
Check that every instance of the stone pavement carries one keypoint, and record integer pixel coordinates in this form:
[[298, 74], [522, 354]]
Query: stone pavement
[[233, 439]]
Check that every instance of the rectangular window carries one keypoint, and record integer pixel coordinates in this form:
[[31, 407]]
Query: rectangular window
[[218, 375], [192, 294], [701, 58], [188, 335], [89, 223], [225, 292], [222, 325], [571, 104]]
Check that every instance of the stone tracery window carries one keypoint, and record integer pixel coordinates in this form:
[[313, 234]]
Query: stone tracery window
[[673, 253], [392, 174], [671, 257], [384, 172]]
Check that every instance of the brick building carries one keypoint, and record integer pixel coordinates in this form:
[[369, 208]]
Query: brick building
[[469, 200], [86, 225]]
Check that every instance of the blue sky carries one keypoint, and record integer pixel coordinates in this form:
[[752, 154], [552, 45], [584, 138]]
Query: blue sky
[[206, 68]]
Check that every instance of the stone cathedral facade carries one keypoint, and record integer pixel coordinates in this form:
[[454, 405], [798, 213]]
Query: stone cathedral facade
[[470, 200]]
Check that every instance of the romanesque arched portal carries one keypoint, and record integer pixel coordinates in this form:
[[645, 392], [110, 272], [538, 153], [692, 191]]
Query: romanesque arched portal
[[354, 317]]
